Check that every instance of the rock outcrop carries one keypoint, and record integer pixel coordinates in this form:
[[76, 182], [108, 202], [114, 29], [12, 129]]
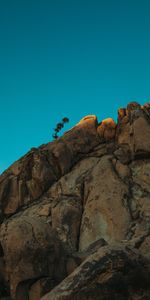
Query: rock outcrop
[[75, 214]]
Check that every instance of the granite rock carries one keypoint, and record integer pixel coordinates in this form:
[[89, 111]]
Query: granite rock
[[75, 214]]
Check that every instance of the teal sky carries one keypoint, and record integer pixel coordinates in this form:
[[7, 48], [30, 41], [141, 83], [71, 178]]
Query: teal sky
[[68, 58]]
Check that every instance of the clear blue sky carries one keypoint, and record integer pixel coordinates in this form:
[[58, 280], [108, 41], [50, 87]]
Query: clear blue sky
[[68, 58]]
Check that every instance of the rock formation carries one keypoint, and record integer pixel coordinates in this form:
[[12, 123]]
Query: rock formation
[[75, 214]]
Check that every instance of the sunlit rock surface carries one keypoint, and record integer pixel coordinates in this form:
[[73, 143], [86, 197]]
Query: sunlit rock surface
[[75, 214]]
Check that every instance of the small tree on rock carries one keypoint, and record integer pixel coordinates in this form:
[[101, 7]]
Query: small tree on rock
[[59, 126]]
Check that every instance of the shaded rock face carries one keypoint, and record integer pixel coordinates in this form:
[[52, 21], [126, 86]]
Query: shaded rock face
[[75, 214]]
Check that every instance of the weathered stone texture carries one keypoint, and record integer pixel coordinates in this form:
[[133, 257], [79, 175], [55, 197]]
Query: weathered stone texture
[[75, 214]]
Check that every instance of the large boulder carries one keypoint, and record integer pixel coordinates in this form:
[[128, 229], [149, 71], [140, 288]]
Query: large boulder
[[75, 214]]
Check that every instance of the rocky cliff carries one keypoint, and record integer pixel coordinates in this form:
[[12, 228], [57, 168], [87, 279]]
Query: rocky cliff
[[75, 214]]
